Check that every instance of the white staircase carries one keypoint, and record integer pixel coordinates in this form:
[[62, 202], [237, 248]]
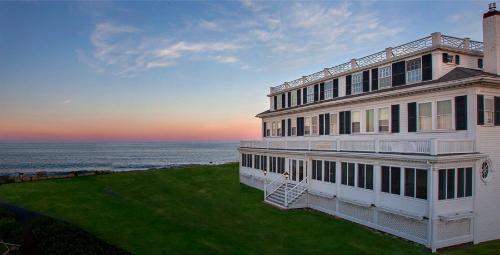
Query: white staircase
[[284, 194]]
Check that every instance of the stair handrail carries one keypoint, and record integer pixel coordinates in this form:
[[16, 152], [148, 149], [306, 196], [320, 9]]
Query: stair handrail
[[294, 191], [275, 183]]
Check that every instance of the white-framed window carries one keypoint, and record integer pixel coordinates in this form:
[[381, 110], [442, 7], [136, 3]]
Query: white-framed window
[[444, 117], [357, 83], [315, 127], [294, 126], [356, 122], [278, 100], [383, 119], [274, 128], [307, 126], [425, 116], [279, 128], [310, 94], [488, 110], [415, 183], [414, 70], [455, 183], [329, 90], [385, 77], [370, 120], [333, 124], [294, 98]]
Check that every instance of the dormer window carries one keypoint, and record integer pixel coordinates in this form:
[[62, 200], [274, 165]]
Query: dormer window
[[328, 90], [413, 70], [357, 83], [294, 98], [310, 94], [384, 77]]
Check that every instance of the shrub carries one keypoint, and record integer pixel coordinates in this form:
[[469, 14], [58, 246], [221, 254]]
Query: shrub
[[10, 230]]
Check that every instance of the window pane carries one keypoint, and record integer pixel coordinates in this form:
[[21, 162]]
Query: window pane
[[396, 180], [315, 128], [344, 173], [333, 123], [488, 111], [333, 168], [384, 77], [409, 182], [369, 177], [327, 172], [314, 170], [357, 83], [361, 175], [370, 125], [450, 183], [444, 114], [319, 170], [383, 120], [468, 182], [460, 182], [421, 183], [414, 70], [442, 184], [329, 89], [385, 178], [425, 116], [351, 174], [356, 122]]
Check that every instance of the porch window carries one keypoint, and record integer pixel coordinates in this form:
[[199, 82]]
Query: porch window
[[416, 183], [413, 70], [455, 183], [356, 122], [307, 126], [330, 169], [333, 124], [385, 77], [348, 172], [444, 120], [383, 119], [263, 163], [329, 90], [357, 83], [310, 94], [370, 120], [294, 169], [317, 169], [424, 116], [256, 162], [315, 129], [391, 180], [365, 176], [488, 110]]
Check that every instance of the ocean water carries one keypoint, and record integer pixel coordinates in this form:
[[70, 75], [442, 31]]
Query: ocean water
[[54, 157]]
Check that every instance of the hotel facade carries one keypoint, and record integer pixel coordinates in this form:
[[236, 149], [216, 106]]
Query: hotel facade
[[403, 141]]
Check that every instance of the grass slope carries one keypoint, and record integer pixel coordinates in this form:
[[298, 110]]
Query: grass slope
[[200, 210]]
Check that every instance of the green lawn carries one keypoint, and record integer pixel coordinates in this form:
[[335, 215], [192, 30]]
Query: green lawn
[[201, 210]]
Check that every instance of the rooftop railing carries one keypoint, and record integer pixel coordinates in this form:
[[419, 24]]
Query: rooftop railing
[[436, 39]]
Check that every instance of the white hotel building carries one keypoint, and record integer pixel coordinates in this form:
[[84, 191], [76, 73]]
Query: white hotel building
[[403, 141]]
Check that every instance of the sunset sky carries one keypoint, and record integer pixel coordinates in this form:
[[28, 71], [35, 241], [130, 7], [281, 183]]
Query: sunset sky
[[192, 70]]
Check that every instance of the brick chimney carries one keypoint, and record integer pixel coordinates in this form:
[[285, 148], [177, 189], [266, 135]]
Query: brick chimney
[[491, 39]]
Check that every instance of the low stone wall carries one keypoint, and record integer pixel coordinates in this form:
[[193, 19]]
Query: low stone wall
[[40, 176]]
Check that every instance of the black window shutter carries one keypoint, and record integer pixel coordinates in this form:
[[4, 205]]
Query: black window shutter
[[264, 127], [289, 128], [348, 82], [375, 79], [298, 97], [366, 81], [283, 100], [348, 122], [461, 113], [427, 67], [300, 126], [398, 74], [479, 63], [497, 111], [341, 123], [457, 59], [283, 127], [336, 88], [322, 91], [304, 95], [289, 99], [480, 109], [412, 117], [275, 102], [327, 123], [321, 125], [316, 92], [395, 118], [445, 57]]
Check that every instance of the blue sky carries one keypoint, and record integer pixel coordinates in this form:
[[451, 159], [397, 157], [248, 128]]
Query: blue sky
[[186, 70]]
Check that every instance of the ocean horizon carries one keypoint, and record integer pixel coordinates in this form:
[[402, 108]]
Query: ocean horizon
[[31, 157]]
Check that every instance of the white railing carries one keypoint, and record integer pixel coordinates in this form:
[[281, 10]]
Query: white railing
[[376, 145], [271, 187], [398, 51], [295, 191]]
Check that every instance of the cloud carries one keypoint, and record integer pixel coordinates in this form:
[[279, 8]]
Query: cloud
[[226, 59], [209, 25], [67, 101]]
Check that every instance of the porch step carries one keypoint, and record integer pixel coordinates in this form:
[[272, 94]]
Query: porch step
[[278, 197]]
